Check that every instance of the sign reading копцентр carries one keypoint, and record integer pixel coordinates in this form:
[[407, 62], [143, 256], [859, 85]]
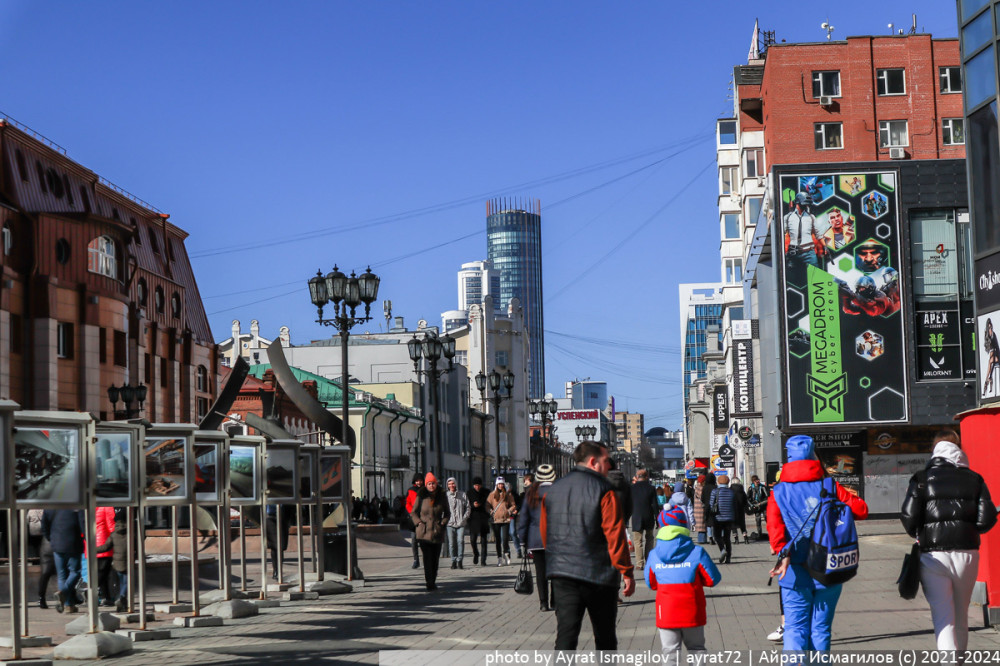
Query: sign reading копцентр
[[842, 319]]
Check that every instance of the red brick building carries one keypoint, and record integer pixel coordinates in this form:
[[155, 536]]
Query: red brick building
[[851, 101], [264, 397], [96, 289]]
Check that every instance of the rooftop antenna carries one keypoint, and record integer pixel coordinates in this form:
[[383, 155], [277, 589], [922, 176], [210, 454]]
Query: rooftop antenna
[[913, 28], [829, 29], [387, 312], [890, 29]]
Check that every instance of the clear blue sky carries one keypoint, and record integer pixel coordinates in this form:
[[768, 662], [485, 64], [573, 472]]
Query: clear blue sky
[[377, 130]]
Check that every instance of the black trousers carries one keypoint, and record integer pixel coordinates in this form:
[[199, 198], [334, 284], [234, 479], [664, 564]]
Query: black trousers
[[432, 557], [48, 565], [415, 547], [104, 571], [573, 598], [538, 557], [479, 531], [501, 536], [723, 537]]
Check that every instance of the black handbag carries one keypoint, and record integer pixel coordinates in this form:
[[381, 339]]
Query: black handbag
[[909, 575], [523, 584]]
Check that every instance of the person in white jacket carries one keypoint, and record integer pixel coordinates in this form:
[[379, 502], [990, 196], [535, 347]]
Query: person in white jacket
[[458, 504], [680, 498]]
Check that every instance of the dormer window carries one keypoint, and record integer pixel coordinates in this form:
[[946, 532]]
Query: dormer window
[[102, 257]]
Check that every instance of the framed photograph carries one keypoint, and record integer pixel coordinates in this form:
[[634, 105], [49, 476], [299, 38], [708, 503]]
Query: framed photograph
[[48, 469], [282, 471], [166, 470], [244, 474], [206, 476], [331, 473], [307, 463], [114, 468]]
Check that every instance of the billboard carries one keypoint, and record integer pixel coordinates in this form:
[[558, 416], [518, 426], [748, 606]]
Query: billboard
[[839, 244], [720, 403], [743, 400]]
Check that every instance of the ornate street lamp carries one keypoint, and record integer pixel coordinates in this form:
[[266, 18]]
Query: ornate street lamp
[[345, 295], [500, 387], [132, 398], [432, 348]]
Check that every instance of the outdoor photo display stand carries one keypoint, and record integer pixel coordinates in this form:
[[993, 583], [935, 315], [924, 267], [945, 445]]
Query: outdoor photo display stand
[[7, 409], [120, 473], [311, 498], [281, 482], [246, 489], [334, 471], [211, 467], [52, 463], [169, 462]]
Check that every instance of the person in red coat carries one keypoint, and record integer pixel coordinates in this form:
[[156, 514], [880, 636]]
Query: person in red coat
[[679, 571], [104, 528], [411, 501]]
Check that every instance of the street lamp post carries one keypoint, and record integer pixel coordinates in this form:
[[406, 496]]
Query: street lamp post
[[432, 348], [585, 433], [546, 410], [345, 294], [129, 396], [497, 384]]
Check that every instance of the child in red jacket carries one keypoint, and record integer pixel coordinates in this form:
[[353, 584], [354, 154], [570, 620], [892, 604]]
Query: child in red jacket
[[679, 571]]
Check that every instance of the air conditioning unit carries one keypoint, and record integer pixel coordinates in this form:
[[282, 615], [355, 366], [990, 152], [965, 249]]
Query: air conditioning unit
[[897, 153], [826, 100]]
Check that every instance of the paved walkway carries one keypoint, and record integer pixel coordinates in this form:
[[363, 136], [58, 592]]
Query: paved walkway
[[476, 608]]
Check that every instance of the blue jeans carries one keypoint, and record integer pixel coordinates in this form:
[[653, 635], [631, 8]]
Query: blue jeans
[[68, 574], [122, 584], [513, 534], [456, 543], [809, 617]]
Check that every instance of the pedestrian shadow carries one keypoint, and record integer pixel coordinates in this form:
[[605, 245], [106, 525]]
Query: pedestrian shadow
[[877, 637]]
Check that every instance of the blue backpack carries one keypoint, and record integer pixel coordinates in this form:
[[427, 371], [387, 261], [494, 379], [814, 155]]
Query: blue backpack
[[833, 555]]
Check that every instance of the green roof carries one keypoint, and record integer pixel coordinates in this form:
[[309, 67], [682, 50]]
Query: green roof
[[328, 391]]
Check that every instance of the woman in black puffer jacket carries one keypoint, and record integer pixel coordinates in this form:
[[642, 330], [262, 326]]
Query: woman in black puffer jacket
[[947, 507]]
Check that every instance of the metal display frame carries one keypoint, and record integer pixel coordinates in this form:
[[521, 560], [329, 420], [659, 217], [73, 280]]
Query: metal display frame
[[84, 425], [220, 441], [136, 510], [309, 460], [186, 432], [14, 535], [343, 454], [291, 446], [258, 444]]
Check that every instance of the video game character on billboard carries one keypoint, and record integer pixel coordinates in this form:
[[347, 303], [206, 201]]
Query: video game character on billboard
[[856, 186], [802, 232], [992, 353], [875, 204], [887, 281], [866, 298], [870, 345], [871, 256], [841, 231]]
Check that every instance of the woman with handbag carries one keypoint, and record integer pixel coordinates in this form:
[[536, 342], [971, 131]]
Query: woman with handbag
[[947, 507], [430, 517], [528, 524]]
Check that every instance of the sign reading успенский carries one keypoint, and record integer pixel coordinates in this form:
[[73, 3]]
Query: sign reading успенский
[[842, 321]]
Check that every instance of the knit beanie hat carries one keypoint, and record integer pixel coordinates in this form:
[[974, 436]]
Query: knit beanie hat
[[450, 479], [545, 473], [477, 480], [500, 482], [679, 487], [674, 517], [800, 447], [430, 477], [417, 477]]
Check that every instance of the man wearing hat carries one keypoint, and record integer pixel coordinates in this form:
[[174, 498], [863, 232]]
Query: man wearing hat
[[808, 604], [479, 520]]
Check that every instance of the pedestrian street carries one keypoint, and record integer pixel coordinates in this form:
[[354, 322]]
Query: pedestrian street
[[476, 608]]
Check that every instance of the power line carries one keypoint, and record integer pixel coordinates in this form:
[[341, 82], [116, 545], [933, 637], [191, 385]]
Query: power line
[[619, 344]]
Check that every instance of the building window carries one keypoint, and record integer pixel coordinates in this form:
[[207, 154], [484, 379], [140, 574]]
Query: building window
[[828, 136], [462, 357], [202, 408], [101, 257], [953, 131], [500, 358], [951, 79], [727, 133], [41, 177], [891, 82], [980, 78], [102, 345], [85, 198], [892, 133], [16, 340], [731, 226], [153, 243], [62, 251], [64, 340], [201, 379], [729, 180], [121, 349], [976, 33], [163, 372], [175, 304], [826, 84], [8, 239], [142, 292], [158, 300], [734, 271], [755, 163], [21, 169], [984, 161], [753, 206]]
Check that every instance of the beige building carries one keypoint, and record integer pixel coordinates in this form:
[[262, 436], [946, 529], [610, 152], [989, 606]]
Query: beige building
[[630, 427]]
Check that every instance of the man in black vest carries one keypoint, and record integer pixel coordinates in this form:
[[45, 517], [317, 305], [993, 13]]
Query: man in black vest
[[644, 510], [586, 564]]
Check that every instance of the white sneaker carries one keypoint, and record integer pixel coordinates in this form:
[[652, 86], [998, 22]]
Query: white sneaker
[[778, 634], [500, 563], [508, 559]]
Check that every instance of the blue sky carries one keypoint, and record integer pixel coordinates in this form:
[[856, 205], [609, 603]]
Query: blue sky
[[374, 132]]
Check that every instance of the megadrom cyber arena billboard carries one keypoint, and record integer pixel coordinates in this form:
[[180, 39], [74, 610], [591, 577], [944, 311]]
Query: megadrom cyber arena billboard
[[845, 358]]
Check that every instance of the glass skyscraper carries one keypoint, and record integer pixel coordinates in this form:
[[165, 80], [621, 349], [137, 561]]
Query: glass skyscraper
[[701, 307], [514, 246]]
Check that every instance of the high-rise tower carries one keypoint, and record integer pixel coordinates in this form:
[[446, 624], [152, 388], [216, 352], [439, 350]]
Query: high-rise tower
[[514, 246]]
